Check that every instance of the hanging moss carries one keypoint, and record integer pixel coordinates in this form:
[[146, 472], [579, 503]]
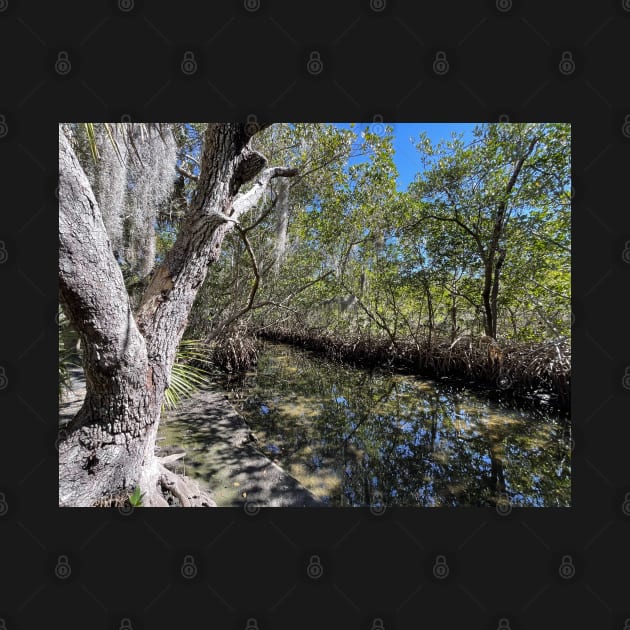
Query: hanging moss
[[132, 178], [111, 182], [282, 222], [151, 177]]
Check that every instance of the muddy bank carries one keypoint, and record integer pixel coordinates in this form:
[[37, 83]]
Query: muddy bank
[[228, 464]]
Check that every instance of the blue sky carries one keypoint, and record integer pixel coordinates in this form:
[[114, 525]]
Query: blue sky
[[406, 156]]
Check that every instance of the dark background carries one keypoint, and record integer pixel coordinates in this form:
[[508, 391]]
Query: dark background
[[96, 61]]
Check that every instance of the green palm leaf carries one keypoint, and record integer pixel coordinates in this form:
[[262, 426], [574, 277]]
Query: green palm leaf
[[186, 378]]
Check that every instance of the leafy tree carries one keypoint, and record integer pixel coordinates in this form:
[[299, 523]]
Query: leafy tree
[[510, 176]]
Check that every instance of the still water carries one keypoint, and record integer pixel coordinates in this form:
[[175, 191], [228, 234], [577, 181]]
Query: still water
[[358, 437]]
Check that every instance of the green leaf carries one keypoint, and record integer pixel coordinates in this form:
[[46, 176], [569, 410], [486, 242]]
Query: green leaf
[[136, 497], [186, 379]]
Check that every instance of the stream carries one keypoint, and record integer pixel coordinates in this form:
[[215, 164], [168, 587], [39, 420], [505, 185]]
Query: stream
[[357, 437]]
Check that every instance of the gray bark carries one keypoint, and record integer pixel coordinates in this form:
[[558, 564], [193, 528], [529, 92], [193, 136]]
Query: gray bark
[[108, 449]]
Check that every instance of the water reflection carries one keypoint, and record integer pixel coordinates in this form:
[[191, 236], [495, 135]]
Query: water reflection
[[355, 437]]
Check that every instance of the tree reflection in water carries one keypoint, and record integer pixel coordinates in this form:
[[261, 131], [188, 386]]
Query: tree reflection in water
[[354, 437]]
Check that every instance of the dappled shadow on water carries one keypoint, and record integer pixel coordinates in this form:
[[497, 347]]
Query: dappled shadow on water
[[356, 437]]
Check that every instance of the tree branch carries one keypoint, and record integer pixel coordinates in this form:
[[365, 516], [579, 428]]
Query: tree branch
[[91, 284], [464, 227], [244, 201], [252, 292], [262, 217], [187, 174]]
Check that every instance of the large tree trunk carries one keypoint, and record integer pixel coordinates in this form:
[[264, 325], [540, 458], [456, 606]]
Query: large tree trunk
[[108, 449]]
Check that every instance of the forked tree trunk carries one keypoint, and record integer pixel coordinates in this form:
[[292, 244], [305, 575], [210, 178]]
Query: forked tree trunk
[[108, 449]]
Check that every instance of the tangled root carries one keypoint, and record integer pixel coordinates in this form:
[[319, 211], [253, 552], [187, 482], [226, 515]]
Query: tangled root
[[168, 489], [236, 351], [183, 490]]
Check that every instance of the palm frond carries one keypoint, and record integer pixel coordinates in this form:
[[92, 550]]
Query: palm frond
[[186, 378], [109, 130], [91, 137], [114, 142]]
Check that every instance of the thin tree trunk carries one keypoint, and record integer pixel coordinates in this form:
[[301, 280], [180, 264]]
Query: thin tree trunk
[[427, 290], [453, 319], [495, 291], [488, 321]]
